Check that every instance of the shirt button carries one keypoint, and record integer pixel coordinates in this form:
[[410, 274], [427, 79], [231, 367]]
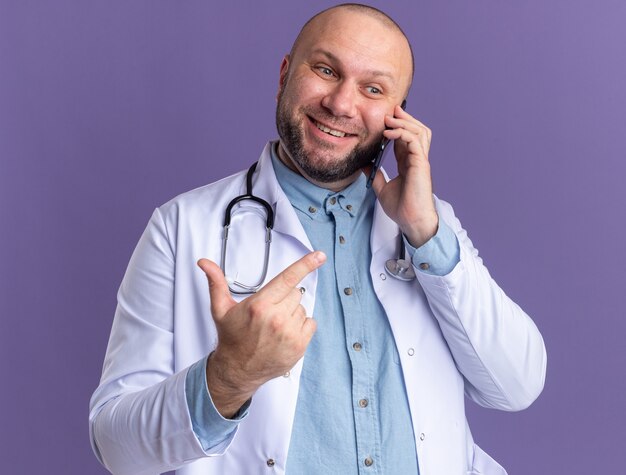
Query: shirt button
[[347, 291], [422, 436], [411, 351], [383, 276], [333, 200], [424, 266], [349, 207], [357, 346], [287, 374], [270, 462], [363, 403], [368, 462], [342, 240], [312, 209]]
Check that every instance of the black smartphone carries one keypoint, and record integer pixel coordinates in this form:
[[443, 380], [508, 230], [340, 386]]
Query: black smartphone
[[379, 157]]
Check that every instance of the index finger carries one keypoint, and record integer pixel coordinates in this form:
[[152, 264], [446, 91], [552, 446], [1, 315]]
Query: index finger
[[401, 115], [279, 287]]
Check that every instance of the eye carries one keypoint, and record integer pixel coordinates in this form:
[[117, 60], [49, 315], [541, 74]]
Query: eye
[[325, 71], [373, 90]]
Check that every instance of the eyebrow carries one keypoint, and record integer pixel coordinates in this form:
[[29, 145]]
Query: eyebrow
[[372, 72]]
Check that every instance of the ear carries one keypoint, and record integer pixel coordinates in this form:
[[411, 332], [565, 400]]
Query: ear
[[284, 68]]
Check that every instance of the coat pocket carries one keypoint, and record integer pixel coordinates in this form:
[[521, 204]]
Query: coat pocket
[[483, 464]]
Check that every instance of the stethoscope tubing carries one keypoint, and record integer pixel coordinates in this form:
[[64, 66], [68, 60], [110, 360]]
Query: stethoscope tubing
[[235, 286], [399, 268]]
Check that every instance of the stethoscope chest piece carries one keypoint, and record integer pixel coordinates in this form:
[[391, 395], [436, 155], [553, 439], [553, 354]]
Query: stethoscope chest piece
[[400, 269]]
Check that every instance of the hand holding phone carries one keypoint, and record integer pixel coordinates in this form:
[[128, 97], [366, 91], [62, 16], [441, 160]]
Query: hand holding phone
[[379, 157]]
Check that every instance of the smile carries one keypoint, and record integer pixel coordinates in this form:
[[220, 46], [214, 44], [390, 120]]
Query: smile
[[328, 130]]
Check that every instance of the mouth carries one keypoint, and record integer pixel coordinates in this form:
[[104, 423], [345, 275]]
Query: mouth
[[330, 131]]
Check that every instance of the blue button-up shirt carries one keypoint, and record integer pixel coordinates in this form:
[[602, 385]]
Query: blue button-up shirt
[[352, 414]]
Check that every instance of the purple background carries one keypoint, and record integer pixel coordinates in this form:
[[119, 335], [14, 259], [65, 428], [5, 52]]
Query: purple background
[[108, 109]]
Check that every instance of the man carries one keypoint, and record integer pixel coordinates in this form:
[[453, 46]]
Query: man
[[333, 366]]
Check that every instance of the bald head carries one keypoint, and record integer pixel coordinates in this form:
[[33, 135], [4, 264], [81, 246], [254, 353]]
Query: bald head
[[315, 22]]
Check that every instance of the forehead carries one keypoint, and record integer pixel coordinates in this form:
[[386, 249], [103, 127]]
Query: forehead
[[357, 40]]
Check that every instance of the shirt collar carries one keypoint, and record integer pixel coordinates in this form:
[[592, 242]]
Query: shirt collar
[[316, 202]]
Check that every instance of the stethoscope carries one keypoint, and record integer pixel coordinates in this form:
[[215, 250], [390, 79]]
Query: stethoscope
[[399, 268], [235, 286]]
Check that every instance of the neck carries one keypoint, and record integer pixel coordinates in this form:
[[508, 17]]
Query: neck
[[335, 186]]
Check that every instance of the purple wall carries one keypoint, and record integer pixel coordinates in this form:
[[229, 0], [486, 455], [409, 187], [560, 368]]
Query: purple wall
[[108, 109]]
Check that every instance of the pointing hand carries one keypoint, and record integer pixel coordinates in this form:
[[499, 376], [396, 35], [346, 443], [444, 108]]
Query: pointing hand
[[259, 338]]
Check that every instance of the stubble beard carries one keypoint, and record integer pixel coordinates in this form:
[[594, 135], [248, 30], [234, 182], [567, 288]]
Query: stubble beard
[[314, 165]]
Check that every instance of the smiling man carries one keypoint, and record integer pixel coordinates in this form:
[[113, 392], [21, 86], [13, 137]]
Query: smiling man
[[337, 362], [345, 73]]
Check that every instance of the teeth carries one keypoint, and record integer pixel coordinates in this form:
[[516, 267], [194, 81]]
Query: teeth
[[336, 133]]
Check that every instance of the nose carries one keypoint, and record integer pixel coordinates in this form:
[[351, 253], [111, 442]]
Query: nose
[[340, 100]]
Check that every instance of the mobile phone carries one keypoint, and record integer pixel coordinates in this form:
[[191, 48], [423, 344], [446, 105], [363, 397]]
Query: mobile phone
[[379, 157]]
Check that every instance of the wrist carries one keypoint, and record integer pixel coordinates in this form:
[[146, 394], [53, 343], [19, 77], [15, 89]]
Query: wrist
[[420, 233], [228, 390]]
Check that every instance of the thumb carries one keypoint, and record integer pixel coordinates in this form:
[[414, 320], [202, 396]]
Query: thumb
[[221, 300], [378, 183]]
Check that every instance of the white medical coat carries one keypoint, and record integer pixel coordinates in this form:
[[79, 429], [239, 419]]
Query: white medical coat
[[456, 335]]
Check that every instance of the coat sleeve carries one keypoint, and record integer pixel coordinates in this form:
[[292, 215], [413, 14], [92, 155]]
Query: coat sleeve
[[495, 345], [139, 420]]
